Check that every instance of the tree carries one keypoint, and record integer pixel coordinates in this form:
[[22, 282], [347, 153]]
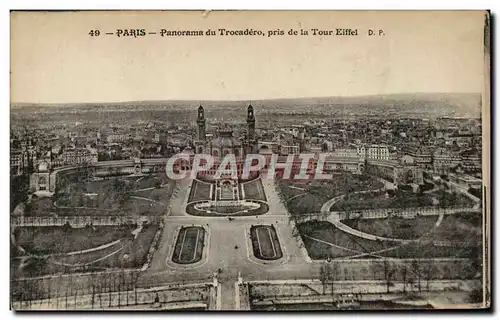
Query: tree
[[18, 190], [404, 272], [322, 276], [477, 294], [82, 172], [415, 264], [477, 261], [157, 184], [334, 272], [448, 272], [388, 273], [325, 274]]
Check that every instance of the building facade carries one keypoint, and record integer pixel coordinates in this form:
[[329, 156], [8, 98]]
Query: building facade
[[224, 142]]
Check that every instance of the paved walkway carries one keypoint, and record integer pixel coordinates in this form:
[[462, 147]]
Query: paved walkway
[[334, 217], [227, 295]]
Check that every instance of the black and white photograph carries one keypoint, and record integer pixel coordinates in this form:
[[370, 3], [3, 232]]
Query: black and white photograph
[[249, 160]]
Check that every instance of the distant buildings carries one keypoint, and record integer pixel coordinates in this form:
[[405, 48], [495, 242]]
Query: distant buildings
[[78, 156], [441, 146], [362, 151], [422, 155], [117, 138], [377, 152], [347, 153], [445, 159], [471, 160], [160, 137], [16, 163], [289, 149], [23, 156], [464, 140], [224, 142]]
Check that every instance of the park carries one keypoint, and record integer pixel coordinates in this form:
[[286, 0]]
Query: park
[[147, 229], [90, 225]]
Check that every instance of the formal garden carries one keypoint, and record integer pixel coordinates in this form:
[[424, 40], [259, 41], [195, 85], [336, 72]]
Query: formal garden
[[43, 246], [265, 242], [38, 252], [65, 239], [456, 236], [401, 198], [310, 197], [254, 190], [145, 195], [189, 245], [200, 191]]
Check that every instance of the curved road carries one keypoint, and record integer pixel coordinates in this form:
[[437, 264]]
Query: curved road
[[334, 218]]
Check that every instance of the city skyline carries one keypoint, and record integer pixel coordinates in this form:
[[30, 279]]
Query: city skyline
[[385, 188], [251, 101]]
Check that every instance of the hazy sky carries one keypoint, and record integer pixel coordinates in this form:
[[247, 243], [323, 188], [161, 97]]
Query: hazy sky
[[54, 60]]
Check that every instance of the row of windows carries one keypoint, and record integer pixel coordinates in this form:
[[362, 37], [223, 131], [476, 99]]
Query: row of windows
[[216, 153]]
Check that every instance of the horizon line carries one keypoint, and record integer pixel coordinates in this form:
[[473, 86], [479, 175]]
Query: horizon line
[[201, 101]]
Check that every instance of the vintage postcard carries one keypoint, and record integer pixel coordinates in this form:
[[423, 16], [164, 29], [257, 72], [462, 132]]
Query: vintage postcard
[[250, 160]]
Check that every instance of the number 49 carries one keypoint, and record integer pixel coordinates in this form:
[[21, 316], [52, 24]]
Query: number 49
[[94, 33]]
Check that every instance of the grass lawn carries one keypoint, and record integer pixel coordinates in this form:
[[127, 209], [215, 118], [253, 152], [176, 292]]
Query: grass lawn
[[254, 190], [128, 253], [327, 232], [114, 196], [451, 199], [379, 200], [162, 195], [307, 203], [199, 191], [103, 194], [265, 243], [46, 240], [450, 229], [459, 228], [394, 227], [134, 255], [39, 207], [137, 207], [150, 181], [189, 245], [420, 251], [316, 193]]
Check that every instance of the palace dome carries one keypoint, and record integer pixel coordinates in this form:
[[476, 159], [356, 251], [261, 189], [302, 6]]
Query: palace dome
[[225, 139]]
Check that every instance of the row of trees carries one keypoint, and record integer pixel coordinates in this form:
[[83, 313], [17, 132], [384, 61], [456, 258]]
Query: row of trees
[[18, 190], [71, 287], [417, 272]]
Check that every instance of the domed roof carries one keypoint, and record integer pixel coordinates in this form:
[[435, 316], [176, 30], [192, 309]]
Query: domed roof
[[43, 166], [225, 139], [225, 142], [188, 151], [265, 150]]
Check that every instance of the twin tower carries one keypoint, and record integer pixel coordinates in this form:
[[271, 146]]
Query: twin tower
[[250, 141], [250, 123]]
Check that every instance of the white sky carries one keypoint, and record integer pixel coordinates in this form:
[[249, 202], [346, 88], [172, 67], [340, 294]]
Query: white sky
[[54, 60]]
